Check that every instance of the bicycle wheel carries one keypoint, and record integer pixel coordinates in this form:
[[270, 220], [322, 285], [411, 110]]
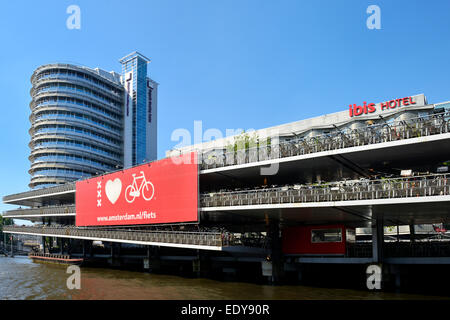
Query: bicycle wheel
[[148, 191], [128, 195]]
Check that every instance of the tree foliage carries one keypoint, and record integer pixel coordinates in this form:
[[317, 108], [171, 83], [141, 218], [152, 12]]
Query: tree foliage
[[4, 222], [244, 141]]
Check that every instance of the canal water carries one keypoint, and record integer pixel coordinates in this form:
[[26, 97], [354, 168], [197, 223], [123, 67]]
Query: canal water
[[20, 278]]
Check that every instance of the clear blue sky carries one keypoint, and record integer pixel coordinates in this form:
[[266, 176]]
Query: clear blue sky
[[230, 63]]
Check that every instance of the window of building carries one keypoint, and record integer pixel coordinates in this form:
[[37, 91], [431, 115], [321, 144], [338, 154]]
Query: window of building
[[326, 235], [350, 235]]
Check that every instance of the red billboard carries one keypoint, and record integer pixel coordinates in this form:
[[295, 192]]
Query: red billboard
[[164, 191]]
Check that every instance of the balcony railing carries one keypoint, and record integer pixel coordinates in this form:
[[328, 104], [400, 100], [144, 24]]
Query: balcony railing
[[338, 139], [420, 186], [68, 187], [434, 248], [53, 210], [175, 237]]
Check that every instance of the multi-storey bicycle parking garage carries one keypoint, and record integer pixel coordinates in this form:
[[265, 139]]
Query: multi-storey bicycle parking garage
[[325, 190]]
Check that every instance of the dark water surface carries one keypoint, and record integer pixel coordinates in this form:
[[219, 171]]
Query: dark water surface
[[20, 278]]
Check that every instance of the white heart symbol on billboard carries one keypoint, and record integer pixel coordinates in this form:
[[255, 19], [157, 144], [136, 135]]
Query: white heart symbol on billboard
[[113, 189]]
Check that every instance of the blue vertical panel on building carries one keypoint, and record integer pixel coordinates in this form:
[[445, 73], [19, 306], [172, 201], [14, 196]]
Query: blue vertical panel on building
[[138, 66], [141, 104]]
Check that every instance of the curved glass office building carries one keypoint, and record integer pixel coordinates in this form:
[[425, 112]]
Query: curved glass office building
[[76, 123], [87, 121]]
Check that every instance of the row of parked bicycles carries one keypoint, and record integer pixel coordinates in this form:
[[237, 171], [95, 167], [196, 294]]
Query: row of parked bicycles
[[362, 189], [281, 147]]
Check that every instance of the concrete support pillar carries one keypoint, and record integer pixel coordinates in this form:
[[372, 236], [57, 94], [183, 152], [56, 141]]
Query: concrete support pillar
[[276, 257], [196, 264], [12, 242], [395, 276], [205, 264], [61, 244], [154, 262], [43, 244], [412, 233], [377, 240], [146, 261], [301, 274], [50, 244], [111, 258], [83, 242], [196, 267], [91, 253], [202, 265], [398, 280], [115, 255]]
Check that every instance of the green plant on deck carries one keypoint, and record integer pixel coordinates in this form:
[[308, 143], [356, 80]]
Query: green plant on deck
[[243, 141], [416, 132], [390, 228]]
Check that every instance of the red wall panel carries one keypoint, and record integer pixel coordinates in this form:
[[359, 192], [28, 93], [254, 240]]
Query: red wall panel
[[297, 240]]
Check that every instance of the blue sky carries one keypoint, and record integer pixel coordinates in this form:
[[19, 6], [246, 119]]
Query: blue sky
[[230, 63]]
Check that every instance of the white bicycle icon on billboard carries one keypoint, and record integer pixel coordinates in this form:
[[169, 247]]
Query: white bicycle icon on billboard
[[146, 189]]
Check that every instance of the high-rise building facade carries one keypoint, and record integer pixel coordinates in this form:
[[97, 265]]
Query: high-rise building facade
[[139, 134], [88, 121]]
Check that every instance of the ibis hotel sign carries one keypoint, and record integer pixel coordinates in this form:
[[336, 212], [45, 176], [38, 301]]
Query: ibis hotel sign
[[164, 191], [368, 108]]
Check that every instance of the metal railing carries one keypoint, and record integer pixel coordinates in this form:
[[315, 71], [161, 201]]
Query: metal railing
[[43, 78], [358, 250], [72, 67], [60, 210], [431, 124], [175, 237], [420, 186], [393, 249], [417, 249], [50, 255], [41, 192]]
